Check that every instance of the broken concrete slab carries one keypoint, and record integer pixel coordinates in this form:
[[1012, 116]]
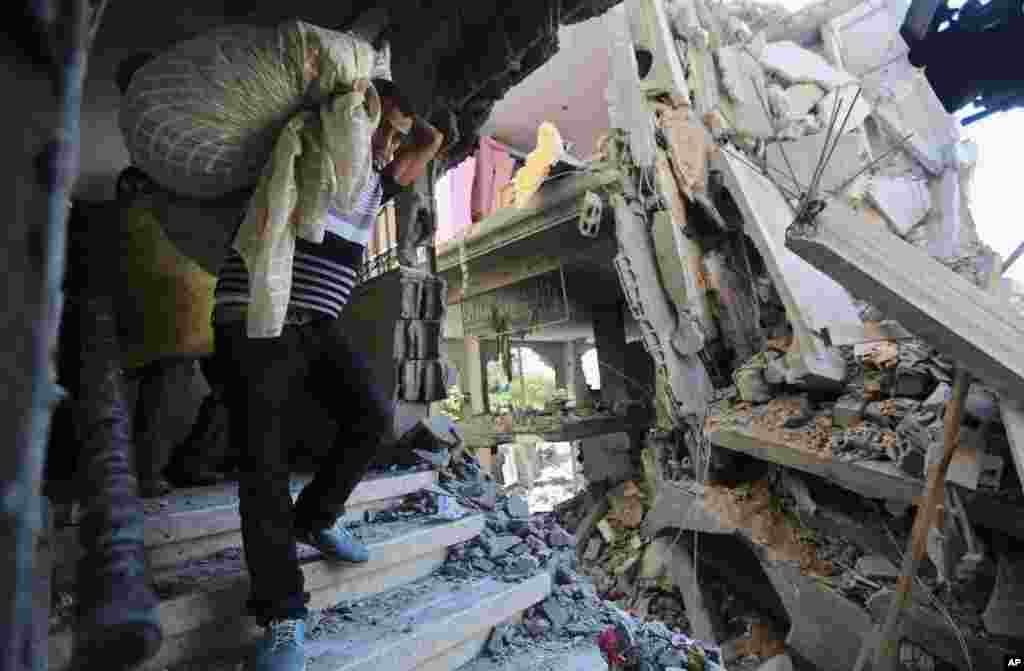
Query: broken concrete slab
[[1004, 615], [743, 81], [801, 98], [705, 622], [931, 631], [797, 65], [793, 163], [678, 505], [972, 326], [843, 99], [1012, 413], [827, 630], [813, 301], [945, 239], [873, 479], [903, 201], [876, 566]]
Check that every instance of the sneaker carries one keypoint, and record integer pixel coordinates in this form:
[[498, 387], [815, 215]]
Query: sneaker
[[281, 648], [336, 542]]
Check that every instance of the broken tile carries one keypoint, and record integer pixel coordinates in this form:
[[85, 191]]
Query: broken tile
[[904, 202], [801, 98], [793, 163], [952, 315], [797, 65]]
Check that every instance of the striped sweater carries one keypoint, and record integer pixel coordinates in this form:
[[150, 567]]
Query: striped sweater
[[323, 275]]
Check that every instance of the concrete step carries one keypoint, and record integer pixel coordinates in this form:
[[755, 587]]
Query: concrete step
[[198, 522], [435, 625], [203, 601]]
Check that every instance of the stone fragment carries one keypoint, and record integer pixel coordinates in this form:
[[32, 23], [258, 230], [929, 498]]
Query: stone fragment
[[801, 98], [937, 399], [588, 659], [559, 537], [499, 545], [913, 383], [796, 65], [877, 566], [593, 550], [523, 565], [537, 626], [497, 643], [992, 467], [484, 565], [847, 412], [902, 201], [554, 611], [517, 506]]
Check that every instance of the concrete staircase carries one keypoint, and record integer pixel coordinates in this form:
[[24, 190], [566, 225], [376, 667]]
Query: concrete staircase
[[194, 547]]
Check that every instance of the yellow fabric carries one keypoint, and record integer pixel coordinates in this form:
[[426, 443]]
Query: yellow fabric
[[549, 149], [321, 158], [164, 299]]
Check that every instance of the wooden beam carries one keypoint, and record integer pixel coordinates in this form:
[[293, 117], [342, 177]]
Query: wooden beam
[[972, 326]]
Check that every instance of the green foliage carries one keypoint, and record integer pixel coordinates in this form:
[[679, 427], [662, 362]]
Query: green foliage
[[539, 390]]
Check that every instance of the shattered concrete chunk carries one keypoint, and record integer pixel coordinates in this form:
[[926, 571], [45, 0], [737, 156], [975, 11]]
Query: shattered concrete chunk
[[801, 98], [554, 611], [877, 566], [903, 202], [559, 537], [842, 98], [847, 411], [593, 550], [517, 506], [499, 545], [743, 81], [938, 398], [797, 65]]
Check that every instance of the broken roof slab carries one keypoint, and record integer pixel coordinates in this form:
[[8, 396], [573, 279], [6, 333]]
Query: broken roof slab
[[812, 299], [796, 65], [981, 331]]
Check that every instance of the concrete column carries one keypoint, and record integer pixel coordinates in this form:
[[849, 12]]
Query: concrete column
[[572, 363], [610, 339], [476, 376]]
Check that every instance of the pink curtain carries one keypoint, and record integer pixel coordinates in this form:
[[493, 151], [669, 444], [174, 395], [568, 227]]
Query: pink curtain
[[491, 158], [460, 186]]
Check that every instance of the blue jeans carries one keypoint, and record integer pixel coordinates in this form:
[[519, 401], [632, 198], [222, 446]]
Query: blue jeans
[[260, 376]]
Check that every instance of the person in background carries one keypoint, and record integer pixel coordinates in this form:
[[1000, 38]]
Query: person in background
[[260, 375]]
